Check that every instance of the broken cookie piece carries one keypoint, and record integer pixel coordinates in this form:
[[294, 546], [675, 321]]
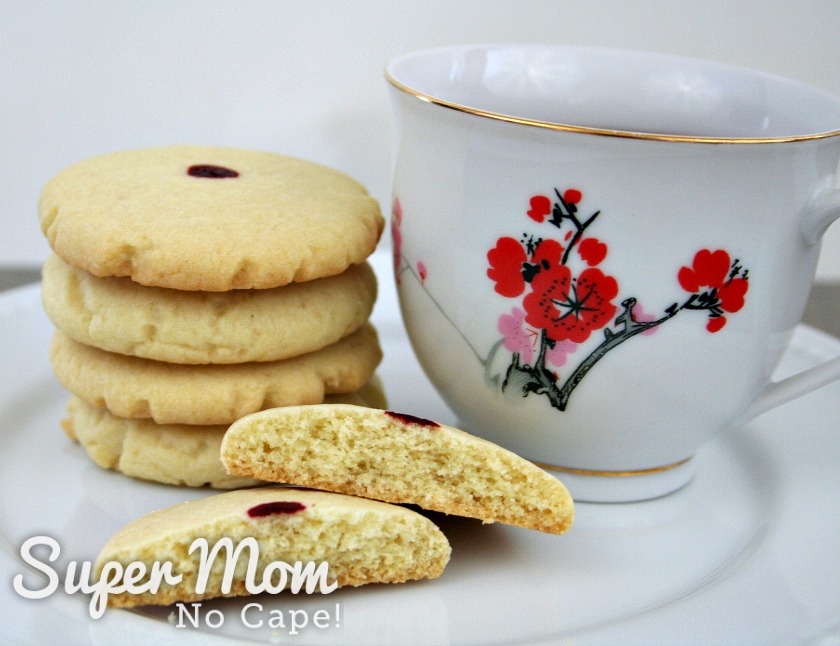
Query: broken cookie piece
[[361, 541], [396, 458]]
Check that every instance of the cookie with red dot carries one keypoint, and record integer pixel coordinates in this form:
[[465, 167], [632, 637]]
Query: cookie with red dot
[[361, 541], [208, 218]]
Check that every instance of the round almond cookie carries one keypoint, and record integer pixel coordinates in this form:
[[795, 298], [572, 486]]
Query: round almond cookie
[[171, 393], [360, 541], [175, 454], [119, 315], [208, 218], [396, 458]]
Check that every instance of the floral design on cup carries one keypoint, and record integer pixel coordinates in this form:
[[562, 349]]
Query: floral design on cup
[[419, 270], [567, 299], [396, 235]]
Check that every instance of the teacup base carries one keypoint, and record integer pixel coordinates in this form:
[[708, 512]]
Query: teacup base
[[586, 485]]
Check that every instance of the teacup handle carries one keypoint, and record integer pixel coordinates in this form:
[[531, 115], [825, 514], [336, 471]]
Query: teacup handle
[[823, 209], [781, 392]]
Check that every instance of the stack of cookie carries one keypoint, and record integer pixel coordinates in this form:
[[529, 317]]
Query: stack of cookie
[[193, 285]]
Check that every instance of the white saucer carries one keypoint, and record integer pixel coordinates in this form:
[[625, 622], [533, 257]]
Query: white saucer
[[747, 553]]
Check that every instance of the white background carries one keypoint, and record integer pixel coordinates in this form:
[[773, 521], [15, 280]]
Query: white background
[[305, 78]]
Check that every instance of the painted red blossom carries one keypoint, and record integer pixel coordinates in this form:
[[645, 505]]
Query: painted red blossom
[[568, 308], [540, 208], [572, 196], [718, 284], [710, 269], [592, 251], [506, 260], [511, 267]]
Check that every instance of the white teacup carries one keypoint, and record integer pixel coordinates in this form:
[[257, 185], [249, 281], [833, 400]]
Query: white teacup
[[601, 255]]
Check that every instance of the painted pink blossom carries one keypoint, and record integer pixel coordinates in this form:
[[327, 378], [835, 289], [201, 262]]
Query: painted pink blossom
[[559, 354], [518, 337], [640, 316], [396, 236], [421, 271]]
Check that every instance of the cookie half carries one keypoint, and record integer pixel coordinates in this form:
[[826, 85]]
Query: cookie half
[[175, 454], [208, 218], [172, 393], [119, 315], [396, 458], [363, 541]]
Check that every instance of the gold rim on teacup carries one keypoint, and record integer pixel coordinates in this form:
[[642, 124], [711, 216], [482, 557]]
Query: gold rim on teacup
[[611, 474], [603, 132]]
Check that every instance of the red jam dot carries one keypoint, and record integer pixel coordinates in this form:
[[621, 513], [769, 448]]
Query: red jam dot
[[411, 419], [279, 507], [210, 171]]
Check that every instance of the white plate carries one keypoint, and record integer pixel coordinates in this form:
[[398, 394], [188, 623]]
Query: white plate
[[748, 553]]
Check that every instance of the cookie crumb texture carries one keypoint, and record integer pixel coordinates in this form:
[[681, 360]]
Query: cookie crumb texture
[[139, 213], [362, 540], [376, 454]]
